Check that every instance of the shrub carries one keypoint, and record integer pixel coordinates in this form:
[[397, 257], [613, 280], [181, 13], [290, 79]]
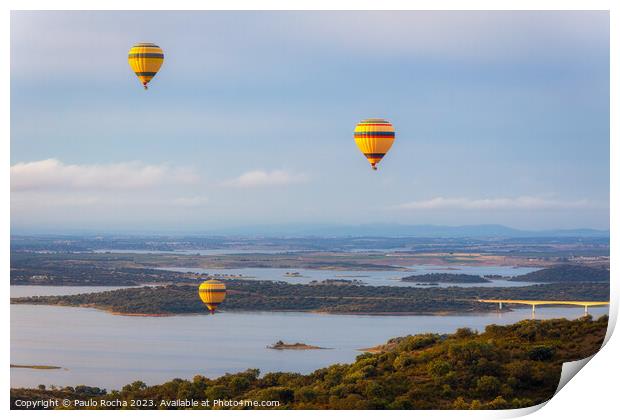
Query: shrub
[[439, 368], [541, 353], [488, 386]]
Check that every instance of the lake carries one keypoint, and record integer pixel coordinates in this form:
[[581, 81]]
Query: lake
[[99, 349], [371, 278]]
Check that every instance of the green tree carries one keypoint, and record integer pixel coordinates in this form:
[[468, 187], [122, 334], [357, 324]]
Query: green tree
[[541, 353], [488, 386]]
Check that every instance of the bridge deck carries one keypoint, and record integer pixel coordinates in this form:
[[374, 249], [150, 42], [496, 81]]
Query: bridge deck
[[545, 302]]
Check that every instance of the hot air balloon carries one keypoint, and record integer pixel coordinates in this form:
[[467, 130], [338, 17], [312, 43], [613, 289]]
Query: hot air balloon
[[212, 293], [374, 137], [145, 60]]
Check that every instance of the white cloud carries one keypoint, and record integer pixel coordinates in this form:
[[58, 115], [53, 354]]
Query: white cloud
[[55, 193], [261, 178], [52, 174], [64, 41], [502, 203], [467, 34], [195, 201]]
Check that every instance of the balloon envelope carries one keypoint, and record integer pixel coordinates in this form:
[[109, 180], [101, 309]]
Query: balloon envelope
[[145, 60], [374, 137], [212, 293]]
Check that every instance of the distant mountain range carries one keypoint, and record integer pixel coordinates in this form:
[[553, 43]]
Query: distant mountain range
[[397, 230], [387, 230]]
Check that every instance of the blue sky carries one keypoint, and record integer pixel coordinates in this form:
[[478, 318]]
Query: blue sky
[[501, 117]]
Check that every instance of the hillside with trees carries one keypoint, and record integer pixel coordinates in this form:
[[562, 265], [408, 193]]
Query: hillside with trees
[[565, 274]]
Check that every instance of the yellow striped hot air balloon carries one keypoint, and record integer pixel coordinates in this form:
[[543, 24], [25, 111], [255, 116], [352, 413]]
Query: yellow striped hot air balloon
[[145, 60], [212, 293], [374, 137]]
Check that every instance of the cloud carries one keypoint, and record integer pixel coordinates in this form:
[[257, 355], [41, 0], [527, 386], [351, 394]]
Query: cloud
[[455, 33], [52, 174], [482, 204], [261, 178], [195, 201], [65, 41]]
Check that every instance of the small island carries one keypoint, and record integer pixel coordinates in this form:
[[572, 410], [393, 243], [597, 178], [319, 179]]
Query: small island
[[281, 345], [34, 367], [337, 282], [496, 277]]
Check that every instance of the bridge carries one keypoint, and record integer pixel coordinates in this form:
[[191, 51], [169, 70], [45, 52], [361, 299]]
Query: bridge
[[535, 303]]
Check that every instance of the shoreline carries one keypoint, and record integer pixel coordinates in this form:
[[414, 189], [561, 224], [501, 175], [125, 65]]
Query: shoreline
[[163, 315], [39, 367], [315, 312]]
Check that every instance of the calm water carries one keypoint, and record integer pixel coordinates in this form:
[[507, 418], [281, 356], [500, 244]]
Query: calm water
[[99, 349], [372, 278]]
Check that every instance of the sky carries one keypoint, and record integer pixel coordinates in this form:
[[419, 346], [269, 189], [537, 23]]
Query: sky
[[500, 117]]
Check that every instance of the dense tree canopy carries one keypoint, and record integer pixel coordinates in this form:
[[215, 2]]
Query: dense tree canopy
[[566, 274]]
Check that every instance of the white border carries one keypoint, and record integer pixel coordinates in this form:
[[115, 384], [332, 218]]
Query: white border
[[593, 395]]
